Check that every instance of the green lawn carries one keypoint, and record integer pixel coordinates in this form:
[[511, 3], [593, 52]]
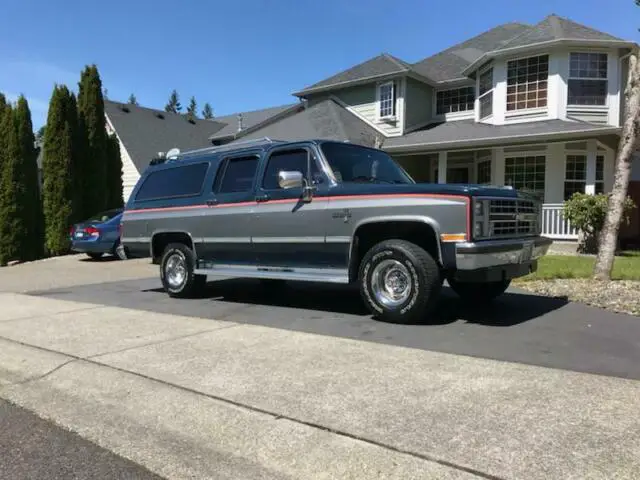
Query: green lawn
[[625, 267]]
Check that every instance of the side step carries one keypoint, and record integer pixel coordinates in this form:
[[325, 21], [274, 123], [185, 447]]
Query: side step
[[328, 275]]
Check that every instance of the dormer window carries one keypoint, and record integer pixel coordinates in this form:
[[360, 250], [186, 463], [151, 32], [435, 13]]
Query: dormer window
[[485, 93], [455, 100], [587, 79], [387, 100], [527, 83]]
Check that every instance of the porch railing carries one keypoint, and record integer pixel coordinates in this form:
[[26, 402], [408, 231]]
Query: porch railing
[[554, 225]]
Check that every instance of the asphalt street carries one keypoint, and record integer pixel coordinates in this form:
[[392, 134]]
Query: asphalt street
[[32, 448], [519, 327]]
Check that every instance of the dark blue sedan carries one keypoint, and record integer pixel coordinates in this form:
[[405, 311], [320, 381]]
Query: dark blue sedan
[[98, 235]]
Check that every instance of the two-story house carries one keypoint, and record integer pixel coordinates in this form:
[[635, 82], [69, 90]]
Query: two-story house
[[535, 107]]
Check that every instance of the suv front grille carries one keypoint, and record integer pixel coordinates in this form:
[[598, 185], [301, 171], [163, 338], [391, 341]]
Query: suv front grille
[[508, 217]]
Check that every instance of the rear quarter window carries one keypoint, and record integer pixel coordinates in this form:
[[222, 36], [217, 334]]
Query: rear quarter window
[[182, 181]]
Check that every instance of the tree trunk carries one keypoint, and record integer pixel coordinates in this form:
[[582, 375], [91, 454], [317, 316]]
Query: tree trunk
[[627, 147]]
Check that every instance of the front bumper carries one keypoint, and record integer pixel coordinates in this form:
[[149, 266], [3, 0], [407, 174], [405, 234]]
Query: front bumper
[[499, 259]]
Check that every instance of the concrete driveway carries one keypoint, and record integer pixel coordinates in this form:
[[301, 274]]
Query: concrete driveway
[[304, 384]]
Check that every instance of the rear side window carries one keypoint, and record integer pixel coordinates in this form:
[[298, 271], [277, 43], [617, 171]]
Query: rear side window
[[237, 175], [183, 181]]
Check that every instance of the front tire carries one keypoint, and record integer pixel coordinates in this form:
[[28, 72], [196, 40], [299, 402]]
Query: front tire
[[177, 268], [399, 281], [479, 292]]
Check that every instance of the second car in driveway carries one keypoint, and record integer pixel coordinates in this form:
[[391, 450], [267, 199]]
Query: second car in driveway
[[97, 235]]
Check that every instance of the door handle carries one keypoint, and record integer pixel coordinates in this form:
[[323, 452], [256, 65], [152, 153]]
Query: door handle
[[212, 203], [262, 198]]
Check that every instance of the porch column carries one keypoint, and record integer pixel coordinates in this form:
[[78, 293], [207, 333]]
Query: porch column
[[497, 166], [442, 167], [554, 173], [592, 152]]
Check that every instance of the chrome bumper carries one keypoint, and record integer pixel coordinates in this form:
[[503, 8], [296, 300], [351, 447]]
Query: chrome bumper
[[500, 253]]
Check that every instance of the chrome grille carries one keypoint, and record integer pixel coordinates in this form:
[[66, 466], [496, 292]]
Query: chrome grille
[[507, 217]]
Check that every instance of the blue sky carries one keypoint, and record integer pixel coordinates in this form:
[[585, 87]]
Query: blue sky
[[246, 54]]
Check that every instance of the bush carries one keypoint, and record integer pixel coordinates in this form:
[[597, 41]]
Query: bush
[[587, 213]]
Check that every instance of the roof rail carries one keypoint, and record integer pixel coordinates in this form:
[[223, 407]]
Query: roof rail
[[229, 146]]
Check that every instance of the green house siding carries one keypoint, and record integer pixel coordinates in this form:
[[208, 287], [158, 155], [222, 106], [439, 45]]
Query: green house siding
[[419, 103]]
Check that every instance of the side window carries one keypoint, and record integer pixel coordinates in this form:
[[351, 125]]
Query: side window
[[288, 160], [183, 181], [237, 175]]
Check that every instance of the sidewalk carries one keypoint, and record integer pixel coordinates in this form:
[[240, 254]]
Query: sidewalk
[[193, 397]]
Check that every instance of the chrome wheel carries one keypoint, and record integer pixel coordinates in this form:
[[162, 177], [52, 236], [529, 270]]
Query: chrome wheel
[[175, 270], [391, 283]]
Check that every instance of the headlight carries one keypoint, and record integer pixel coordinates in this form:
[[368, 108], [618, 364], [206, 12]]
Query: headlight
[[478, 210], [478, 229]]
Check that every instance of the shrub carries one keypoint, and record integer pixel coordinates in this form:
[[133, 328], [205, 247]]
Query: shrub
[[587, 213]]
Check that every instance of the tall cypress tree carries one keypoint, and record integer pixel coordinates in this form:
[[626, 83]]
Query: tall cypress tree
[[3, 103], [115, 172], [57, 168], [33, 248], [93, 170], [13, 194]]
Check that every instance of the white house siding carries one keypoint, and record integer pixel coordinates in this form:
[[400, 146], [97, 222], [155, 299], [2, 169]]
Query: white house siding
[[418, 104], [362, 102], [130, 174]]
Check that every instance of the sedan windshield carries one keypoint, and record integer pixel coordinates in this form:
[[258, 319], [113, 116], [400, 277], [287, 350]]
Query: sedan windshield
[[352, 163]]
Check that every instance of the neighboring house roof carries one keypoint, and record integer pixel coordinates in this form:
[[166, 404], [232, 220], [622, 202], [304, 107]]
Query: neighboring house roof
[[449, 64], [250, 120], [324, 120], [468, 133], [143, 133], [381, 66], [553, 29]]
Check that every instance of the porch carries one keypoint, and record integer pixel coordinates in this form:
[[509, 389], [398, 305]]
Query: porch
[[551, 171]]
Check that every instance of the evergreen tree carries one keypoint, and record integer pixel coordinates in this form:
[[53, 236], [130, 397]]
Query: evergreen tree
[[192, 109], [57, 168], [3, 103], [92, 171], [207, 111], [115, 172], [174, 105], [13, 195], [40, 134], [132, 100], [34, 245]]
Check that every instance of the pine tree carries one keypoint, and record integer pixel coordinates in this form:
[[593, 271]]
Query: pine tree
[[13, 195], [34, 245], [207, 111], [115, 172], [192, 109], [3, 103], [174, 105], [93, 170], [132, 100], [57, 165]]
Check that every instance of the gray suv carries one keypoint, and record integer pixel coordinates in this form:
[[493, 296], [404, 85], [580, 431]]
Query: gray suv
[[326, 211]]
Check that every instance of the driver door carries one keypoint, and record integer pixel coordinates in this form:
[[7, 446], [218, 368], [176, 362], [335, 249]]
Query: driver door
[[287, 231]]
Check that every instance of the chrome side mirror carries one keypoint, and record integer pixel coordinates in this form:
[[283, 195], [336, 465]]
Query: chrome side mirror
[[291, 179]]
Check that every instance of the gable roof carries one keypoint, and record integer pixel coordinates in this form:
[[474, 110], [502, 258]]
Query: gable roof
[[143, 133], [381, 66], [449, 64], [250, 119], [323, 120], [551, 30]]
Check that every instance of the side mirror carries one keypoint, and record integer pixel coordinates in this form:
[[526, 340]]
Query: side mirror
[[290, 179]]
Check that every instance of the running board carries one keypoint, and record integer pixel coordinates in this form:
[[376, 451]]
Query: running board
[[328, 275]]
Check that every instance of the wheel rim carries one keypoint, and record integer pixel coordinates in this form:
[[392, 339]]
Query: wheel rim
[[391, 283], [175, 270]]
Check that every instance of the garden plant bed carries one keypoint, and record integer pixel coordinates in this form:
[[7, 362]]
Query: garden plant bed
[[569, 277]]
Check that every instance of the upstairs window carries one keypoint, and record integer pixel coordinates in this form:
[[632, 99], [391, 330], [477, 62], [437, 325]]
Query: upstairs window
[[527, 80], [387, 100], [587, 79], [485, 93], [455, 100]]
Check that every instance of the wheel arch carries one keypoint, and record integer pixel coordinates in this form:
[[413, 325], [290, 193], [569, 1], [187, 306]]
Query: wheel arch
[[389, 227], [161, 238]]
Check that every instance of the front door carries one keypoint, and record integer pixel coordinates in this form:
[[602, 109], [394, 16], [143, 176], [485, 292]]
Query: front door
[[287, 231]]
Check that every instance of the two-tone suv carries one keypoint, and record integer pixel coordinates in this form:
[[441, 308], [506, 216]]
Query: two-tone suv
[[326, 211]]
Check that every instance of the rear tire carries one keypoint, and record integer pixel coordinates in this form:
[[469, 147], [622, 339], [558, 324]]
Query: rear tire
[[479, 292], [399, 281], [94, 255], [177, 268]]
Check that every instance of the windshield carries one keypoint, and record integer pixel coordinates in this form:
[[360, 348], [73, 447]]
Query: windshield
[[352, 163], [104, 216]]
